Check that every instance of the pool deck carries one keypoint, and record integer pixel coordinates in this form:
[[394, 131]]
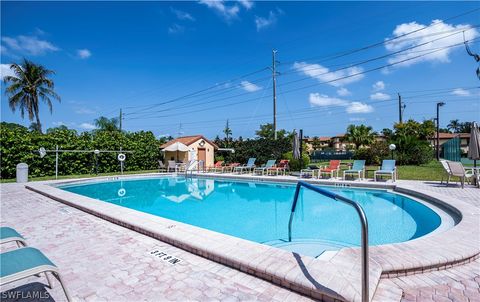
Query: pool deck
[[109, 262]]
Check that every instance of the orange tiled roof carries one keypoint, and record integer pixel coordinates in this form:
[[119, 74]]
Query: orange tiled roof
[[442, 135], [188, 140]]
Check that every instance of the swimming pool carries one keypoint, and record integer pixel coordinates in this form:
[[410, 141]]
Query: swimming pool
[[259, 211]]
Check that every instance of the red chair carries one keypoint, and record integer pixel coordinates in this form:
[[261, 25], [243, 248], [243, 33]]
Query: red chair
[[333, 168]]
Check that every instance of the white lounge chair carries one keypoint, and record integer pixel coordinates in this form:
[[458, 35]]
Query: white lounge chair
[[457, 169]]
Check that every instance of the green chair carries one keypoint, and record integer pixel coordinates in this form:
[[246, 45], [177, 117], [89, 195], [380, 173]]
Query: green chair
[[26, 262], [388, 168], [357, 168], [270, 164], [248, 167], [10, 235]]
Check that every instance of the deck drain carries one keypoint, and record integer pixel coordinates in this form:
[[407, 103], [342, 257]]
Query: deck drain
[[171, 226], [165, 257]]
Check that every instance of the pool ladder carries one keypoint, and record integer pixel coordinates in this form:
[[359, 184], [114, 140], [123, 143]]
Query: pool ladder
[[363, 221]]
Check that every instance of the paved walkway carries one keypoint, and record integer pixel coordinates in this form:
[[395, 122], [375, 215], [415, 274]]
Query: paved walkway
[[102, 261]]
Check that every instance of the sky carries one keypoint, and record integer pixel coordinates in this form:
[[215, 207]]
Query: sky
[[185, 68]]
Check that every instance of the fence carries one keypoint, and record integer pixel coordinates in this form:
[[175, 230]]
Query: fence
[[328, 155], [451, 149]]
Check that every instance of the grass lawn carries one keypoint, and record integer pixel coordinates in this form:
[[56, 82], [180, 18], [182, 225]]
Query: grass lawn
[[431, 171]]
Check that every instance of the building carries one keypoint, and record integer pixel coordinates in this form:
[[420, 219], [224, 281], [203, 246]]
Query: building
[[316, 143], [445, 137], [203, 148], [336, 143]]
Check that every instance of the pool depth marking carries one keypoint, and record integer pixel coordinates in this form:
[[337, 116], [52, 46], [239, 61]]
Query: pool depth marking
[[165, 257]]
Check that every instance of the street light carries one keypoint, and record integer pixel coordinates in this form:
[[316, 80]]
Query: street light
[[392, 148], [439, 104]]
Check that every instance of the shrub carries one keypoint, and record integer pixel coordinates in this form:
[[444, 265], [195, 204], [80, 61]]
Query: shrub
[[374, 154], [295, 164], [17, 144]]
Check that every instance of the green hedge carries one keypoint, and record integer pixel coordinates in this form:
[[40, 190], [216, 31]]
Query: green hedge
[[17, 144]]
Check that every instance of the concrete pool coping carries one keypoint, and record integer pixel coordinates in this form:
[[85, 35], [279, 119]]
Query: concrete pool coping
[[335, 278]]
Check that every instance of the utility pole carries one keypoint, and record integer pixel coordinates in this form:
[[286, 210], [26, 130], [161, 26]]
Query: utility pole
[[120, 120], [400, 113], [439, 104], [274, 74]]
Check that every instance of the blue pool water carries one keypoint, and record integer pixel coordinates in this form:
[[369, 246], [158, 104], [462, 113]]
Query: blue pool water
[[259, 211]]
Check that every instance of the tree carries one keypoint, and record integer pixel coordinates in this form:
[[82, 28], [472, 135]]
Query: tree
[[465, 127], [266, 131], [316, 143], [360, 135], [107, 124], [29, 84], [35, 127], [454, 126], [227, 131]]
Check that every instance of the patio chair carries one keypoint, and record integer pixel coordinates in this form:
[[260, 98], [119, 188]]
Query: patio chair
[[229, 168], [281, 167], [26, 262], [248, 167], [332, 168], [457, 169], [387, 168], [357, 168], [216, 167], [161, 166], [309, 172], [270, 163], [10, 235], [172, 165], [447, 170]]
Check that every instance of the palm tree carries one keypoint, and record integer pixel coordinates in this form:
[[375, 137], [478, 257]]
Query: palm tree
[[454, 126], [360, 135], [227, 132], [30, 83], [107, 124]]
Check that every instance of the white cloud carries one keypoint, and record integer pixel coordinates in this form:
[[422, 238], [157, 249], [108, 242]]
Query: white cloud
[[343, 92], [250, 87], [5, 71], [227, 12], [176, 29], [84, 53], [439, 30], [380, 85], [380, 96], [324, 75], [30, 45], [357, 107], [457, 92], [322, 100], [357, 119], [181, 15], [56, 124], [264, 22], [247, 4], [87, 126]]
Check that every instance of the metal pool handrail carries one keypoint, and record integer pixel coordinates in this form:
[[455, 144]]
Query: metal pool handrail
[[363, 221]]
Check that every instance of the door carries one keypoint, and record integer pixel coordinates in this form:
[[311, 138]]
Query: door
[[202, 155]]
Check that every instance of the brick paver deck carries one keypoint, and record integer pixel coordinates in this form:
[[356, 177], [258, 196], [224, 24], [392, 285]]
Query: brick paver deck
[[102, 261]]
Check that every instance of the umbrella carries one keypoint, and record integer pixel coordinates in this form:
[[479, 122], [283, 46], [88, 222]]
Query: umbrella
[[474, 145], [296, 146], [177, 146]]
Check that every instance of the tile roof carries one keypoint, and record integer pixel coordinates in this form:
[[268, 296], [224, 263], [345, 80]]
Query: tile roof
[[188, 140]]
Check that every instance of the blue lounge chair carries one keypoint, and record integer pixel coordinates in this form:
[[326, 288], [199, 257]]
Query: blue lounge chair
[[270, 163], [248, 167], [357, 168], [26, 262], [10, 235], [388, 168]]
